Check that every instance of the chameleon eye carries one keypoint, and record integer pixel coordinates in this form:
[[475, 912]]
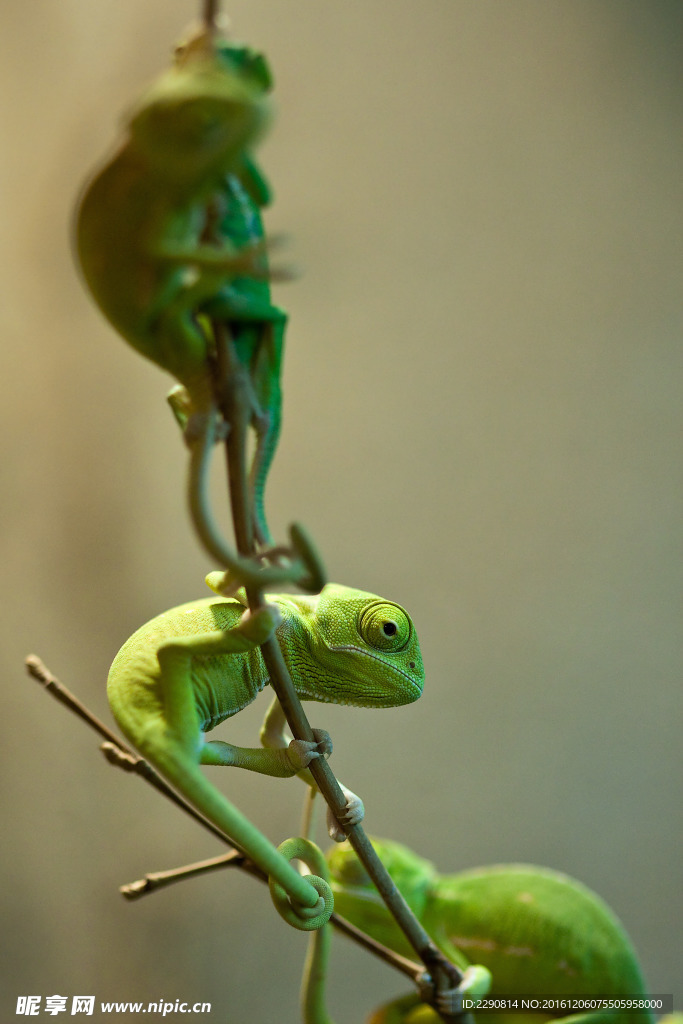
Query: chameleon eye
[[384, 626]]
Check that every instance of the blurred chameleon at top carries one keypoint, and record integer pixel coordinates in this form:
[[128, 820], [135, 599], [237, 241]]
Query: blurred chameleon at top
[[169, 236]]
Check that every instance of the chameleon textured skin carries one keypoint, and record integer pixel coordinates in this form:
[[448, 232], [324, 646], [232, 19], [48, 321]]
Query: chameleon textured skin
[[327, 656], [223, 684], [345, 655], [536, 930]]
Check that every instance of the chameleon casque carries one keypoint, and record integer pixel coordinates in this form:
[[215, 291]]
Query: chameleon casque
[[169, 238], [190, 668], [537, 931]]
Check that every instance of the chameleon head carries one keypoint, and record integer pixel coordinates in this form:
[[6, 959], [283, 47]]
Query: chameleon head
[[365, 648], [198, 117]]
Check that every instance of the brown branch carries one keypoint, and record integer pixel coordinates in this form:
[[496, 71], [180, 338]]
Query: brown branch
[[160, 879], [232, 391]]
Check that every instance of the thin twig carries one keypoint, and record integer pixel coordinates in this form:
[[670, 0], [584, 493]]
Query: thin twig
[[161, 879], [37, 668]]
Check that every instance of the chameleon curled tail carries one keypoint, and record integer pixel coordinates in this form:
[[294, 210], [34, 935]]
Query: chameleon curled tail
[[313, 1006]]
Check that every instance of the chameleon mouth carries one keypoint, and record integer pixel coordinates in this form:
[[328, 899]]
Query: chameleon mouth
[[414, 689]]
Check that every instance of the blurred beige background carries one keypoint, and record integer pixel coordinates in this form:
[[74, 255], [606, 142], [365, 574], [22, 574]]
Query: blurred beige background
[[482, 421]]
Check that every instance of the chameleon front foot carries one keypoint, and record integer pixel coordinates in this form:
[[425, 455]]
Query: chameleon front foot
[[302, 752]]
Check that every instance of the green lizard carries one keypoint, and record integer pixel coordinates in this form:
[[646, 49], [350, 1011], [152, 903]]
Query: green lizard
[[190, 668], [168, 236], [537, 931]]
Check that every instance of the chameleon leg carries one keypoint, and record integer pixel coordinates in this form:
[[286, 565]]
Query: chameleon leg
[[411, 1010], [275, 737], [180, 343], [175, 659]]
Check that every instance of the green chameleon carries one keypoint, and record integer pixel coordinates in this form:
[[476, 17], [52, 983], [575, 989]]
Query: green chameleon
[[190, 668], [536, 930], [168, 236]]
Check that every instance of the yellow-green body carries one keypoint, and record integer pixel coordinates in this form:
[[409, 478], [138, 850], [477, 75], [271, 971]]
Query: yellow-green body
[[192, 667], [222, 684]]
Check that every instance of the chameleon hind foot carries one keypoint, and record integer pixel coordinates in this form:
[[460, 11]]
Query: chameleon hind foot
[[410, 1009], [353, 814], [281, 762]]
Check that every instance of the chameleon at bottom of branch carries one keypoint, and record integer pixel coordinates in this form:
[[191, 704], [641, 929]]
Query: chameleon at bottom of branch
[[196, 665], [537, 931]]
